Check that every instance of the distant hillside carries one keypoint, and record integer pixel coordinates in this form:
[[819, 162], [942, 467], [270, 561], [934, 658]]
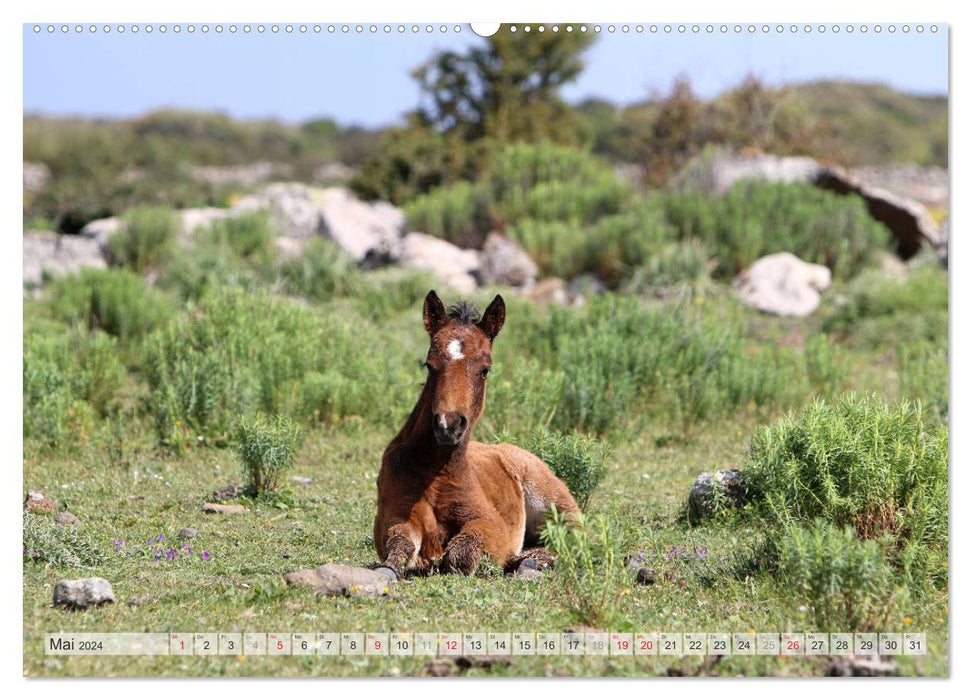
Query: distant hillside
[[848, 123], [878, 125]]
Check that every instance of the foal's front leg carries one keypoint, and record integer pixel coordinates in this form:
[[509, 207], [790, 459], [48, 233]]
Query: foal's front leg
[[464, 552], [402, 549]]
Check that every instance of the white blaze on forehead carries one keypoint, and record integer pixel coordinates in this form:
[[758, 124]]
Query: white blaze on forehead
[[442, 422], [454, 350]]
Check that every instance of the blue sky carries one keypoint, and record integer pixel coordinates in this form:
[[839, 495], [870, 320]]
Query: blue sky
[[364, 78]]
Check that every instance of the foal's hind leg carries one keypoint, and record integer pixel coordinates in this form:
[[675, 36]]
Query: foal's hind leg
[[543, 557]]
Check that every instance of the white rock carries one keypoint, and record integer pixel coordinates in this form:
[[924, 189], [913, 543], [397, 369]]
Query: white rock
[[359, 227], [83, 592], [57, 255], [782, 284], [505, 262], [455, 266]]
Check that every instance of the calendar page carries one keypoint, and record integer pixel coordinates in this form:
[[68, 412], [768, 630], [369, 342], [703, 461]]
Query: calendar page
[[429, 348]]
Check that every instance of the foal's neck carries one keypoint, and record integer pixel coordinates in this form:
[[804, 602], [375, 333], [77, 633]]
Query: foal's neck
[[416, 440]]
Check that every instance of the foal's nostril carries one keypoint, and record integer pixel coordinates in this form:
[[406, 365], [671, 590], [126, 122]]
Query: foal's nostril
[[463, 421]]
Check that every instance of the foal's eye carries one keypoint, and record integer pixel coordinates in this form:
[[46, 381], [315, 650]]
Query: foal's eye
[[485, 372]]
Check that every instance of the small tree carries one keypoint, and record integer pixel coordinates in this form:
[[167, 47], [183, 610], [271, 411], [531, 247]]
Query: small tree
[[266, 447]]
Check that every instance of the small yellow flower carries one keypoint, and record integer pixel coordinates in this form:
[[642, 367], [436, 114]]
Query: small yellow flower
[[699, 300], [751, 630], [908, 620]]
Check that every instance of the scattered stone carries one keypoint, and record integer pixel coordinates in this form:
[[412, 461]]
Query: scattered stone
[[646, 576], [440, 668], [303, 480], [66, 518], [141, 600], [224, 493], [505, 262], [385, 571], [187, 533], [48, 254], [550, 291], [340, 579], [868, 666], [455, 266], [38, 502], [782, 284], [135, 498], [891, 264], [583, 286], [36, 176], [83, 592], [202, 218], [247, 175], [528, 570], [908, 220], [223, 509], [333, 173], [486, 661], [713, 492]]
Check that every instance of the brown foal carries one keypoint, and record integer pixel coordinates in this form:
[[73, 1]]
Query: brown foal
[[442, 495]]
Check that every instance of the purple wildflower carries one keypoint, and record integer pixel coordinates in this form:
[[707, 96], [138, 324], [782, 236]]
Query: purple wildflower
[[159, 538], [204, 556]]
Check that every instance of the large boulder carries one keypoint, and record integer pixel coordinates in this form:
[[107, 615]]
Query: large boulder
[[56, 255], [908, 220], [718, 172], [300, 212], [505, 262], [782, 284], [455, 266], [360, 228], [294, 208]]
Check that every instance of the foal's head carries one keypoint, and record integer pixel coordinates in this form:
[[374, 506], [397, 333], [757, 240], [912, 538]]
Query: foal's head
[[459, 359]]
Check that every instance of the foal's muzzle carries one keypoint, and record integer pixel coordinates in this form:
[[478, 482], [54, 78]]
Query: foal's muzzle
[[449, 427]]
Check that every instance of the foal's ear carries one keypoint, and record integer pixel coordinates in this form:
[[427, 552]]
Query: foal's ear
[[493, 318], [434, 313]]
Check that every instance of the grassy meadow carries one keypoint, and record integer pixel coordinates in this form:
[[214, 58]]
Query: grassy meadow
[[134, 391]]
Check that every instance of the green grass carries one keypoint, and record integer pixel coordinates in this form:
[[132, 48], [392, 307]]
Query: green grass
[[673, 385]]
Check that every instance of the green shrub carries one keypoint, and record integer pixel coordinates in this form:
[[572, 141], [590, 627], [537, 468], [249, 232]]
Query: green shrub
[[879, 468], [321, 271], [460, 214], [196, 271], [682, 262], [69, 377], [247, 236], [825, 366], [145, 240], [119, 302], [266, 447], [521, 396], [233, 354], [757, 218], [589, 567], [580, 461], [845, 583], [879, 308], [58, 546], [923, 372]]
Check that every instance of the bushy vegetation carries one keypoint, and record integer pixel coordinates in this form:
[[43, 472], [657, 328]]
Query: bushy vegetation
[[321, 272], [589, 566], [116, 301], [266, 447], [70, 377], [859, 462], [248, 236], [845, 583], [759, 218], [878, 306], [578, 460], [145, 239], [58, 546]]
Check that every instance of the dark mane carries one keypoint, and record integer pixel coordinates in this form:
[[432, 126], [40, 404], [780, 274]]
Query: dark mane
[[465, 312]]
